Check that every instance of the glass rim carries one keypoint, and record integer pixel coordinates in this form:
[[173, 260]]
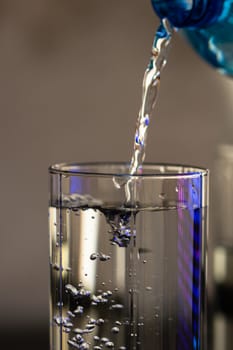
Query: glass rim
[[167, 170]]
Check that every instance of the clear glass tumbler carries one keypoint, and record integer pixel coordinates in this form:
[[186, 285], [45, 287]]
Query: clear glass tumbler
[[127, 257]]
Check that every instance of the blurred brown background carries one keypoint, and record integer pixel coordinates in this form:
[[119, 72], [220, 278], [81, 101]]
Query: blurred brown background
[[70, 89]]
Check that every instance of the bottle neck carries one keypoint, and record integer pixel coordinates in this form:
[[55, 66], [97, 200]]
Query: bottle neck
[[189, 13]]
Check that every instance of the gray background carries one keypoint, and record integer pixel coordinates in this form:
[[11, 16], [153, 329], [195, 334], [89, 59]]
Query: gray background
[[70, 89]]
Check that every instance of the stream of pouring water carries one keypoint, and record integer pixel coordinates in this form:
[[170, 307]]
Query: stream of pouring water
[[150, 89]]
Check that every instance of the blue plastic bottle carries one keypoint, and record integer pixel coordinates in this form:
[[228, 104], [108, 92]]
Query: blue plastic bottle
[[208, 25]]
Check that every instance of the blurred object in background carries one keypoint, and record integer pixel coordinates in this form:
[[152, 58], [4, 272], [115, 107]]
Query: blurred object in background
[[223, 246]]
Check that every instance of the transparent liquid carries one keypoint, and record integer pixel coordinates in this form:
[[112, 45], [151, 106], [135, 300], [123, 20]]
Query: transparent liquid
[[138, 288], [150, 88]]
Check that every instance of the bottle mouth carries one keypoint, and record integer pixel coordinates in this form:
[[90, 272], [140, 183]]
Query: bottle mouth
[[188, 13]]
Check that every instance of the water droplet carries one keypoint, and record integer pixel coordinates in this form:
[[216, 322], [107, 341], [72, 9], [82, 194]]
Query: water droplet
[[94, 256], [115, 330], [109, 344]]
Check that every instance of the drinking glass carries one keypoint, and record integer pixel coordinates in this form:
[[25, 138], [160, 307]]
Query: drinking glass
[[127, 257]]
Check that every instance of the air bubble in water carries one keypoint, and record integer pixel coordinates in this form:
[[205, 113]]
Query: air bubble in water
[[62, 321], [71, 289], [70, 313], [73, 344], [97, 347], [58, 320], [78, 331], [79, 310], [67, 330], [115, 330], [96, 338], [162, 196], [109, 344], [117, 306], [79, 338], [94, 256], [84, 346], [122, 348], [148, 288], [90, 327], [100, 321], [92, 321], [104, 340], [118, 323], [144, 261], [104, 257], [57, 267], [67, 323]]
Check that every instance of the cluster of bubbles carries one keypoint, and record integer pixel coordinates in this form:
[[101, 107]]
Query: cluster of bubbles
[[77, 200], [100, 256], [82, 296], [78, 341], [120, 226]]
